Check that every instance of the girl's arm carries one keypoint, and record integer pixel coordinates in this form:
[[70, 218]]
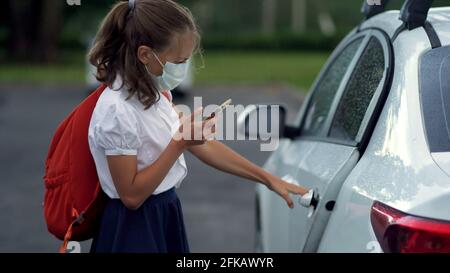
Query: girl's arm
[[135, 187], [219, 156]]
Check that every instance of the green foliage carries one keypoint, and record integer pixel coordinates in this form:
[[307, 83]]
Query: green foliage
[[277, 42], [231, 67], [219, 67]]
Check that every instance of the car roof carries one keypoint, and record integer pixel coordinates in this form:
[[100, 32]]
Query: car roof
[[389, 20], [439, 15]]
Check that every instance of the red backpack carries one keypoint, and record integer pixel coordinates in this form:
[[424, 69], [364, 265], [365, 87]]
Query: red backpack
[[73, 200]]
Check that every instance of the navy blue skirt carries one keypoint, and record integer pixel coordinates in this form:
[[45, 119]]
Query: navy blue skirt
[[156, 227]]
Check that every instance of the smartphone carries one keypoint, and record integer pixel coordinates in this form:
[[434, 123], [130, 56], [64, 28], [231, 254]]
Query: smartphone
[[218, 109]]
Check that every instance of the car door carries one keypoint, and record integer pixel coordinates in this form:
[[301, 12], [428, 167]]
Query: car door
[[335, 123]]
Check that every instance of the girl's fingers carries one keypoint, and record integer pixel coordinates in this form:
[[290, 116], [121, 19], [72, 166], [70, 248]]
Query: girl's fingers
[[297, 190], [288, 199]]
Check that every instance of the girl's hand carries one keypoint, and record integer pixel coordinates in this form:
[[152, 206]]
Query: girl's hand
[[193, 131], [283, 188]]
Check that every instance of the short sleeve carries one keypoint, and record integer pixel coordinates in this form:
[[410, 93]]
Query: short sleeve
[[118, 131]]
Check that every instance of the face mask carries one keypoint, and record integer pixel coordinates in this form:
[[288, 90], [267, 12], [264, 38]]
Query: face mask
[[173, 75]]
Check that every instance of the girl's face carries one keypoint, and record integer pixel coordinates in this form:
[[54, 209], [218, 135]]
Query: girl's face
[[179, 51]]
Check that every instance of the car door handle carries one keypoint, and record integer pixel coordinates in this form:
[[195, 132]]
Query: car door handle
[[310, 199]]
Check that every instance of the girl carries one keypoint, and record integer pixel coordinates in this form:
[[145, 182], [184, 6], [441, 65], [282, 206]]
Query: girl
[[137, 138]]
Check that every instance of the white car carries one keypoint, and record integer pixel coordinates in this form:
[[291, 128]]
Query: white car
[[373, 141]]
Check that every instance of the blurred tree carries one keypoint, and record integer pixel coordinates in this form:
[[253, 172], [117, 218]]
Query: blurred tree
[[325, 19], [49, 30], [298, 16], [269, 12], [34, 29]]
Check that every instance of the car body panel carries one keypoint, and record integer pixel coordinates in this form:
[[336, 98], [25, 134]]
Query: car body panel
[[322, 166], [440, 19], [274, 213], [387, 21], [439, 16], [326, 173]]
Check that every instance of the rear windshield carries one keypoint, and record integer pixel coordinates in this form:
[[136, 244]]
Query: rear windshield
[[435, 97]]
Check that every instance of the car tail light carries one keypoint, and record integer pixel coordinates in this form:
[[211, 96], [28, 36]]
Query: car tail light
[[399, 232]]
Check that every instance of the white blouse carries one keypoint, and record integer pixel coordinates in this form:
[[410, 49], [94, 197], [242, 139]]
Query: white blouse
[[123, 127]]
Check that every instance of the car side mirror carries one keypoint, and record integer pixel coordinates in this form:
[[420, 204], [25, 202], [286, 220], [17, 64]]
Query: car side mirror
[[262, 122]]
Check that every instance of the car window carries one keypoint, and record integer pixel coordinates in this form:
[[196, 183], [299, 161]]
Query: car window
[[359, 92], [435, 97], [325, 91]]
